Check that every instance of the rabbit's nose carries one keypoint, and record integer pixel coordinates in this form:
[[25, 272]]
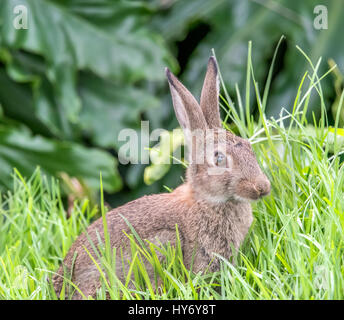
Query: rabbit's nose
[[262, 185]]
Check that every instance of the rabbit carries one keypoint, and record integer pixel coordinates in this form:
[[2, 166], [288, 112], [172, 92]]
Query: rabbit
[[212, 211]]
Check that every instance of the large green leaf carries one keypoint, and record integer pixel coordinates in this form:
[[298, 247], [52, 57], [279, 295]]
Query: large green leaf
[[107, 109], [66, 39], [69, 42], [20, 149], [80, 59], [17, 103], [120, 17], [28, 97]]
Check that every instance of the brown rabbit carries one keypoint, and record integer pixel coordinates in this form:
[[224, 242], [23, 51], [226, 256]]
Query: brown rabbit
[[212, 208]]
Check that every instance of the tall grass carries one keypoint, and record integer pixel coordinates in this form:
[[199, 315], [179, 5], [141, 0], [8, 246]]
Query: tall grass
[[295, 247], [34, 234]]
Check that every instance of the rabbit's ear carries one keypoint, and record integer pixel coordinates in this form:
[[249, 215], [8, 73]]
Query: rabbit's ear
[[210, 95], [187, 109]]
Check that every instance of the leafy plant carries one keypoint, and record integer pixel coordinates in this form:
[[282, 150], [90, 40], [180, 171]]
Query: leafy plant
[[227, 26], [84, 70], [75, 82]]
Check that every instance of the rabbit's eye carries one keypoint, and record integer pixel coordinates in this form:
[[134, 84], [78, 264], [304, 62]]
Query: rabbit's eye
[[220, 159]]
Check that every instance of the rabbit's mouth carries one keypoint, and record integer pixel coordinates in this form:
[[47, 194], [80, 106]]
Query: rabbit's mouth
[[254, 191], [246, 198]]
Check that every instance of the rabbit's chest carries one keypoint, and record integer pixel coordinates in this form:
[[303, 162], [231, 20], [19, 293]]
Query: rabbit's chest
[[218, 235]]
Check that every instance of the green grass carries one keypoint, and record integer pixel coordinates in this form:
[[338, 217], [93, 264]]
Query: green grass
[[295, 247]]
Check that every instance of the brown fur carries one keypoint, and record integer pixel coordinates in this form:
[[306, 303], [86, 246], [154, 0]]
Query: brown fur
[[212, 212]]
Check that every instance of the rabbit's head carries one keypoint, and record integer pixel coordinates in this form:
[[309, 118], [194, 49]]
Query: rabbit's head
[[222, 166]]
